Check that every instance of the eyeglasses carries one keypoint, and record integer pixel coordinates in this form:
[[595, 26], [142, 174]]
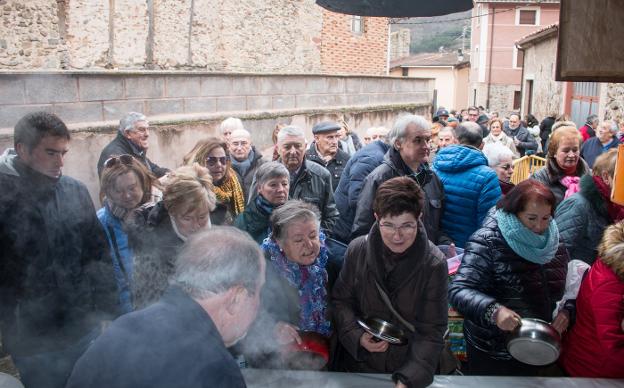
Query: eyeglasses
[[402, 229], [212, 160], [121, 159], [422, 140], [506, 166]]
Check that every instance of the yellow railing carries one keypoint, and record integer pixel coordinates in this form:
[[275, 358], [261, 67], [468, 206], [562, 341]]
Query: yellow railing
[[525, 166]]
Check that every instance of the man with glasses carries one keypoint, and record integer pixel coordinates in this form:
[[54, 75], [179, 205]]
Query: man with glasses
[[131, 140], [410, 144], [245, 158], [324, 149], [56, 277], [309, 181], [471, 187]]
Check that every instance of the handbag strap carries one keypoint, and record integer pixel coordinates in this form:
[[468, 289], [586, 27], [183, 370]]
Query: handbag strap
[[398, 316]]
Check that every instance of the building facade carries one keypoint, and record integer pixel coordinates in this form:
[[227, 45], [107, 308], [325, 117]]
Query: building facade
[[496, 64]]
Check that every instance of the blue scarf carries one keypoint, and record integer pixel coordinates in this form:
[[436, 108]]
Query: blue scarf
[[536, 248], [245, 165], [309, 281]]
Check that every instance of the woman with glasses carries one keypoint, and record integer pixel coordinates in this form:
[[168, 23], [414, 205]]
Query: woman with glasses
[[514, 267], [157, 231], [396, 274], [213, 154], [500, 159], [125, 185], [498, 136]]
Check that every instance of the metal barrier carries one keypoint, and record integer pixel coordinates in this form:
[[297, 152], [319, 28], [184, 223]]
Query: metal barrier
[[525, 166]]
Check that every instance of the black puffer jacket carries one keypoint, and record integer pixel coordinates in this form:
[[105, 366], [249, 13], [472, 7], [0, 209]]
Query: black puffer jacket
[[122, 146], [491, 272]]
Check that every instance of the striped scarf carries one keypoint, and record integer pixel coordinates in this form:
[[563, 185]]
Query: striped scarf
[[230, 192]]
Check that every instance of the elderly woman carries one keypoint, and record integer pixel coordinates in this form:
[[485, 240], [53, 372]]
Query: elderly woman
[[594, 347], [564, 166], [514, 267], [604, 140], [125, 185], [583, 217], [500, 159], [213, 154], [157, 231], [498, 136], [273, 183], [394, 264]]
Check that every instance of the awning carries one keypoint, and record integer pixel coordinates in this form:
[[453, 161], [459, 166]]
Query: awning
[[396, 8]]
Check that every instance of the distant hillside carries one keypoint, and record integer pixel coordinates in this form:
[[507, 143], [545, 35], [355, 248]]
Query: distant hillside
[[429, 34]]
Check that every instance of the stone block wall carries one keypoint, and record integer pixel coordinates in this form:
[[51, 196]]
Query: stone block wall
[[346, 52], [613, 101]]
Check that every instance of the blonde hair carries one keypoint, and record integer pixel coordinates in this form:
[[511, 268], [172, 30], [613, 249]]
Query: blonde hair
[[144, 176], [189, 189], [559, 133], [605, 163], [611, 248]]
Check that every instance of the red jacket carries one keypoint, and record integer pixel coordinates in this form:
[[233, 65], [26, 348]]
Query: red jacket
[[587, 132], [594, 347]]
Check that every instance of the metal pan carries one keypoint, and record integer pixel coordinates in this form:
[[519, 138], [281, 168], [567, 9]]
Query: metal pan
[[534, 342], [383, 330]]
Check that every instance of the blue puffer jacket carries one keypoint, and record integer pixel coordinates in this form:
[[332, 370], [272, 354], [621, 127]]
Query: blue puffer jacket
[[120, 252], [470, 187], [362, 163]]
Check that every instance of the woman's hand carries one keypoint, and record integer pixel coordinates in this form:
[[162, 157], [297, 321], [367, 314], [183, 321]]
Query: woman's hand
[[507, 319], [371, 344], [286, 333], [400, 385], [561, 321]]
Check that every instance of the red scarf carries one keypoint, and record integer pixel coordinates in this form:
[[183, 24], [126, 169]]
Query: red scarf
[[616, 212]]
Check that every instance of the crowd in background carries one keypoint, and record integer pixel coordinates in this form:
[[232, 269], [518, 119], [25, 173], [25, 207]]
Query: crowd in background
[[345, 229]]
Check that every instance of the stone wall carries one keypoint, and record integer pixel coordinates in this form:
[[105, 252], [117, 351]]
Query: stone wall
[[281, 36], [613, 102]]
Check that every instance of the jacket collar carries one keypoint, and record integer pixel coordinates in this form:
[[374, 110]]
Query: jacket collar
[[591, 193]]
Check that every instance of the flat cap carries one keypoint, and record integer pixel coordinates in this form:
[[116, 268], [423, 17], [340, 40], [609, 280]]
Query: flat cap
[[325, 126]]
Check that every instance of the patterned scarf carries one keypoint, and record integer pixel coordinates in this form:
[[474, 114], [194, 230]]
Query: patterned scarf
[[229, 191], [309, 281], [536, 248]]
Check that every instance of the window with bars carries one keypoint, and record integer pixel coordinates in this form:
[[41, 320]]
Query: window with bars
[[357, 24]]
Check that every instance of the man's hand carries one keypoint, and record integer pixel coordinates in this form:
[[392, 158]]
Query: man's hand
[[373, 345], [561, 321], [507, 319], [286, 333]]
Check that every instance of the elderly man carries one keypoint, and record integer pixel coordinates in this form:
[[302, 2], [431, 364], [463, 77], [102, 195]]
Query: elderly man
[[230, 125], [604, 140], [523, 140], [324, 149], [471, 187], [56, 277], [446, 137], [245, 158], [131, 140], [308, 181], [407, 155], [589, 129], [182, 340]]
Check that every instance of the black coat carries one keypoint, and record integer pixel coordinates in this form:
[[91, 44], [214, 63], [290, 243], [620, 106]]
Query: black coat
[[392, 167], [247, 179], [527, 141], [173, 343], [491, 272], [334, 166], [121, 146], [255, 221], [155, 245], [56, 276], [313, 185]]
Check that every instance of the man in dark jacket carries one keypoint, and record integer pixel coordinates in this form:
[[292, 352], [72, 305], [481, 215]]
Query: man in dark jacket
[[56, 279], [589, 129], [131, 140], [309, 182], [362, 163], [324, 149], [523, 140], [410, 138], [181, 340], [245, 158]]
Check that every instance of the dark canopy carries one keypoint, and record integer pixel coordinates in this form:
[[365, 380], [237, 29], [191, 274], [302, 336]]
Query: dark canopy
[[396, 8]]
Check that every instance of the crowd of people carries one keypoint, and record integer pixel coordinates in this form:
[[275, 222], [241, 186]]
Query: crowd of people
[[185, 275]]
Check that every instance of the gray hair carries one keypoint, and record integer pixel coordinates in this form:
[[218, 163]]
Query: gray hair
[[592, 119], [128, 121], [398, 129], [241, 133], [292, 211], [290, 130], [451, 130], [610, 125], [469, 133], [217, 260], [270, 170], [231, 123], [494, 152]]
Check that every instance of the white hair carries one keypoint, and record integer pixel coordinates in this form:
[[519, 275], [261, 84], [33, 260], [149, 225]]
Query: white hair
[[494, 152], [398, 129], [231, 123], [128, 121], [290, 130], [241, 133]]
